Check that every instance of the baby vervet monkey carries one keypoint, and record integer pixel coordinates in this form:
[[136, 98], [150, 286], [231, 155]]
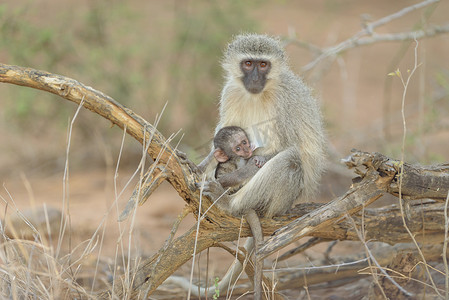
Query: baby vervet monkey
[[236, 165], [234, 154]]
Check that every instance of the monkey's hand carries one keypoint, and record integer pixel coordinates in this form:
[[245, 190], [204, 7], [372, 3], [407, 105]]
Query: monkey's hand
[[216, 193], [184, 160], [211, 188], [259, 160]]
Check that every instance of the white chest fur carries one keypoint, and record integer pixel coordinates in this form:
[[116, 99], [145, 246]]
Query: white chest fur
[[256, 116]]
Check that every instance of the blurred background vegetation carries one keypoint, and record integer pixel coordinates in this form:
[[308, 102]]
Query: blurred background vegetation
[[143, 55], [149, 53]]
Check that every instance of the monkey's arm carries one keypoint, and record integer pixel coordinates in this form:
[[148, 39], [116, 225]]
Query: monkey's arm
[[238, 176], [208, 164]]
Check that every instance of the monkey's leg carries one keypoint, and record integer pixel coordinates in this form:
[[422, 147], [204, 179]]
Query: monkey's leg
[[254, 223], [274, 188]]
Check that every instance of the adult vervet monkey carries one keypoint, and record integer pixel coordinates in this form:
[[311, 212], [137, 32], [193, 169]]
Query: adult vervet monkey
[[280, 116]]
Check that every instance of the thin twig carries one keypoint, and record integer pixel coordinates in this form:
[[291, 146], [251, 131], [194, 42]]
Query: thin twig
[[401, 175], [374, 260], [358, 38], [333, 266], [446, 229], [116, 201], [240, 267], [399, 14], [196, 239], [65, 187], [399, 37]]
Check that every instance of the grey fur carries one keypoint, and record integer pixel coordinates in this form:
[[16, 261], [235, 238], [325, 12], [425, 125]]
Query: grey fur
[[284, 120], [237, 170], [284, 117]]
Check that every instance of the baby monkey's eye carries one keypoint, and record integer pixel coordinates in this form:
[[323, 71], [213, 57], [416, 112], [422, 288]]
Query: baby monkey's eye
[[237, 149], [244, 142]]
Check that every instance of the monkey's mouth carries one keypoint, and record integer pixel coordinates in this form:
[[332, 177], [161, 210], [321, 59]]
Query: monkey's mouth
[[256, 89], [254, 86]]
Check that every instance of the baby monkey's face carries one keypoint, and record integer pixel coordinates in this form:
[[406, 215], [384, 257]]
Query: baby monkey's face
[[241, 146]]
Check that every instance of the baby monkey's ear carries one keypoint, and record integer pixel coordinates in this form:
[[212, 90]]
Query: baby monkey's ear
[[220, 155]]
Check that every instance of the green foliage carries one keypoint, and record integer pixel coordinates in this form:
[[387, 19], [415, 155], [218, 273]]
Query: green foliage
[[442, 79], [81, 48], [217, 290], [142, 60]]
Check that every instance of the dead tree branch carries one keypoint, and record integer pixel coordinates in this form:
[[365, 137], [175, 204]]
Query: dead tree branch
[[368, 36], [377, 175], [349, 266]]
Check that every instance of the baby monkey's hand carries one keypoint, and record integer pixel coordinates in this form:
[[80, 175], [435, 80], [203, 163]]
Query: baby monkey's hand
[[259, 160]]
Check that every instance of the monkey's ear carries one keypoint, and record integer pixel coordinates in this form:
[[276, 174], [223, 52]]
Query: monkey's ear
[[220, 155]]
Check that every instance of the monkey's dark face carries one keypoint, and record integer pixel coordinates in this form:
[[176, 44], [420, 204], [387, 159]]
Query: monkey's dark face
[[241, 146], [255, 74]]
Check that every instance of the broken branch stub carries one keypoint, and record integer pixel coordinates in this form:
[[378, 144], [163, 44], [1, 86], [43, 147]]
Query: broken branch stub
[[418, 182]]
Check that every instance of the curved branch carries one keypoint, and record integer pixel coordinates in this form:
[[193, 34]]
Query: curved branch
[[175, 169], [379, 176], [106, 107], [368, 36], [181, 176], [366, 192], [324, 221], [75, 91]]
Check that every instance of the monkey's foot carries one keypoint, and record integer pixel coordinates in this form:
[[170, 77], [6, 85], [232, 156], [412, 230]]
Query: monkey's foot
[[213, 190]]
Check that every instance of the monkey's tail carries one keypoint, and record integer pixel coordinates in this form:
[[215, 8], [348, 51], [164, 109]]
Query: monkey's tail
[[225, 283]]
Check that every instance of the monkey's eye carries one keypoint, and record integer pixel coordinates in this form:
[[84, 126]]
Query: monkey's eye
[[248, 63], [263, 64], [237, 149]]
